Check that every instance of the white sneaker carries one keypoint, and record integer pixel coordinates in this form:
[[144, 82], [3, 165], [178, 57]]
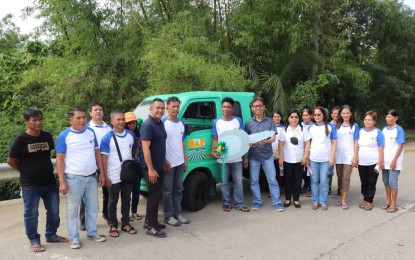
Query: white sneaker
[[183, 220], [75, 244], [97, 238], [172, 222]]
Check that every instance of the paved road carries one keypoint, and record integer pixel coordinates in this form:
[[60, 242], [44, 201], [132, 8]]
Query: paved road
[[267, 234]]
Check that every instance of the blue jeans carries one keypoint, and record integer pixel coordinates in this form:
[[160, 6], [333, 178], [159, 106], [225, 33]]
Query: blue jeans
[[269, 169], [173, 191], [234, 169], [319, 182], [31, 197], [86, 189]]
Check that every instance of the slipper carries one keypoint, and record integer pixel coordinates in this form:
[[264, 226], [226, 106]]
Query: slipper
[[57, 239], [368, 206], [37, 247], [345, 205], [385, 206], [113, 232], [362, 205], [226, 208], [244, 209], [135, 216], [391, 210], [339, 203], [129, 229]]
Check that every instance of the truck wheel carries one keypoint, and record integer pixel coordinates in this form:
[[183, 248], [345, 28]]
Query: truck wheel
[[196, 191]]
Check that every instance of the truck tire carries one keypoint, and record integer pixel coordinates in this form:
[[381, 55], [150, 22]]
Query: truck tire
[[196, 191]]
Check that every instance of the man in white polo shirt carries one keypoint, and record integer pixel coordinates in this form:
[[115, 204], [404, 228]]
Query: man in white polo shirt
[[175, 151], [127, 143], [77, 159], [96, 112]]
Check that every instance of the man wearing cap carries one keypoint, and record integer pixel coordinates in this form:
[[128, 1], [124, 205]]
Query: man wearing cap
[[175, 154], [153, 138], [77, 159], [96, 112]]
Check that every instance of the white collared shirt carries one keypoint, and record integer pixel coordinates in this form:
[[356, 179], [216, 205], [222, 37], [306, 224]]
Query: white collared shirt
[[100, 130], [293, 153]]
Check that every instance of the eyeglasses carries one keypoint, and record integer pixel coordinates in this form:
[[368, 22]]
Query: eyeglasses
[[294, 117], [258, 106], [318, 114]]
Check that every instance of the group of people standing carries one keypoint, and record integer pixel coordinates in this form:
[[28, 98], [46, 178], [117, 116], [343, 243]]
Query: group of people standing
[[310, 147], [89, 155]]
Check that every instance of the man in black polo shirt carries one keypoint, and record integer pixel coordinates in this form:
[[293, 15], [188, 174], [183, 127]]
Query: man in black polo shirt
[[153, 138], [30, 155]]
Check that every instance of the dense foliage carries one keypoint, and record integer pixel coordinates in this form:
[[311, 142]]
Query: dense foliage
[[294, 53]]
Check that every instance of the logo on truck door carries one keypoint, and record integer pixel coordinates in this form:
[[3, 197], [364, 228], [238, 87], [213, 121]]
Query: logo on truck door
[[196, 149]]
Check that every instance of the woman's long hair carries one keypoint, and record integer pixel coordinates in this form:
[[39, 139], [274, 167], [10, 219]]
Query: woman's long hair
[[340, 121], [325, 118]]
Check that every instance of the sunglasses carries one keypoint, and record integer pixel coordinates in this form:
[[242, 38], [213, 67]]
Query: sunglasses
[[294, 140]]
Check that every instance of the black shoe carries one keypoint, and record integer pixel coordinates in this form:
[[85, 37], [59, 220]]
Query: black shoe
[[158, 226], [156, 232], [287, 204]]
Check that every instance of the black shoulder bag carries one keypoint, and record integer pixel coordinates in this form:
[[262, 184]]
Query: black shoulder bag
[[128, 168]]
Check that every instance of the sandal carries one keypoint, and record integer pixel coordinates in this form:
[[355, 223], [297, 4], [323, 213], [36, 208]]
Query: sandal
[[339, 203], [129, 229], [287, 203], [368, 206], [113, 232], [57, 239], [297, 204], [385, 206], [391, 210], [244, 209], [226, 208], [362, 205], [345, 205], [135, 216], [37, 247]]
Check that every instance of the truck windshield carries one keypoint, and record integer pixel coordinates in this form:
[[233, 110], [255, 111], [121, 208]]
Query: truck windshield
[[143, 109]]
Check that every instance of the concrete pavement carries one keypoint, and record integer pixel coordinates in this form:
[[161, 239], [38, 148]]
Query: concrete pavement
[[266, 234]]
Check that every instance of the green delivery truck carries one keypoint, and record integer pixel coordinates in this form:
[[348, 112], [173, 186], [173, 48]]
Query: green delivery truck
[[198, 110]]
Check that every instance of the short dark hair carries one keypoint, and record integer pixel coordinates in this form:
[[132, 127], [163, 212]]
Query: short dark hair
[[228, 100], [393, 112], [93, 104], [172, 99], [257, 98], [72, 110], [32, 112], [335, 108], [156, 100], [115, 112]]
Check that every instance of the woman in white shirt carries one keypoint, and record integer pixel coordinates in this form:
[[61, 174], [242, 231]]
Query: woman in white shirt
[[294, 147], [307, 116], [322, 151], [277, 118], [346, 151], [370, 157], [393, 158]]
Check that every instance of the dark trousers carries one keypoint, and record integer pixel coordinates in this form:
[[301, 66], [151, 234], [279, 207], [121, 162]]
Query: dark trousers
[[105, 197], [114, 194], [154, 194], [293, 173], [136, 190], [368, 178]]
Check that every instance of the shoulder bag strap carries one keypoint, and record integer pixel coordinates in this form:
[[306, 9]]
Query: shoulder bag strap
[[116, 145]]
